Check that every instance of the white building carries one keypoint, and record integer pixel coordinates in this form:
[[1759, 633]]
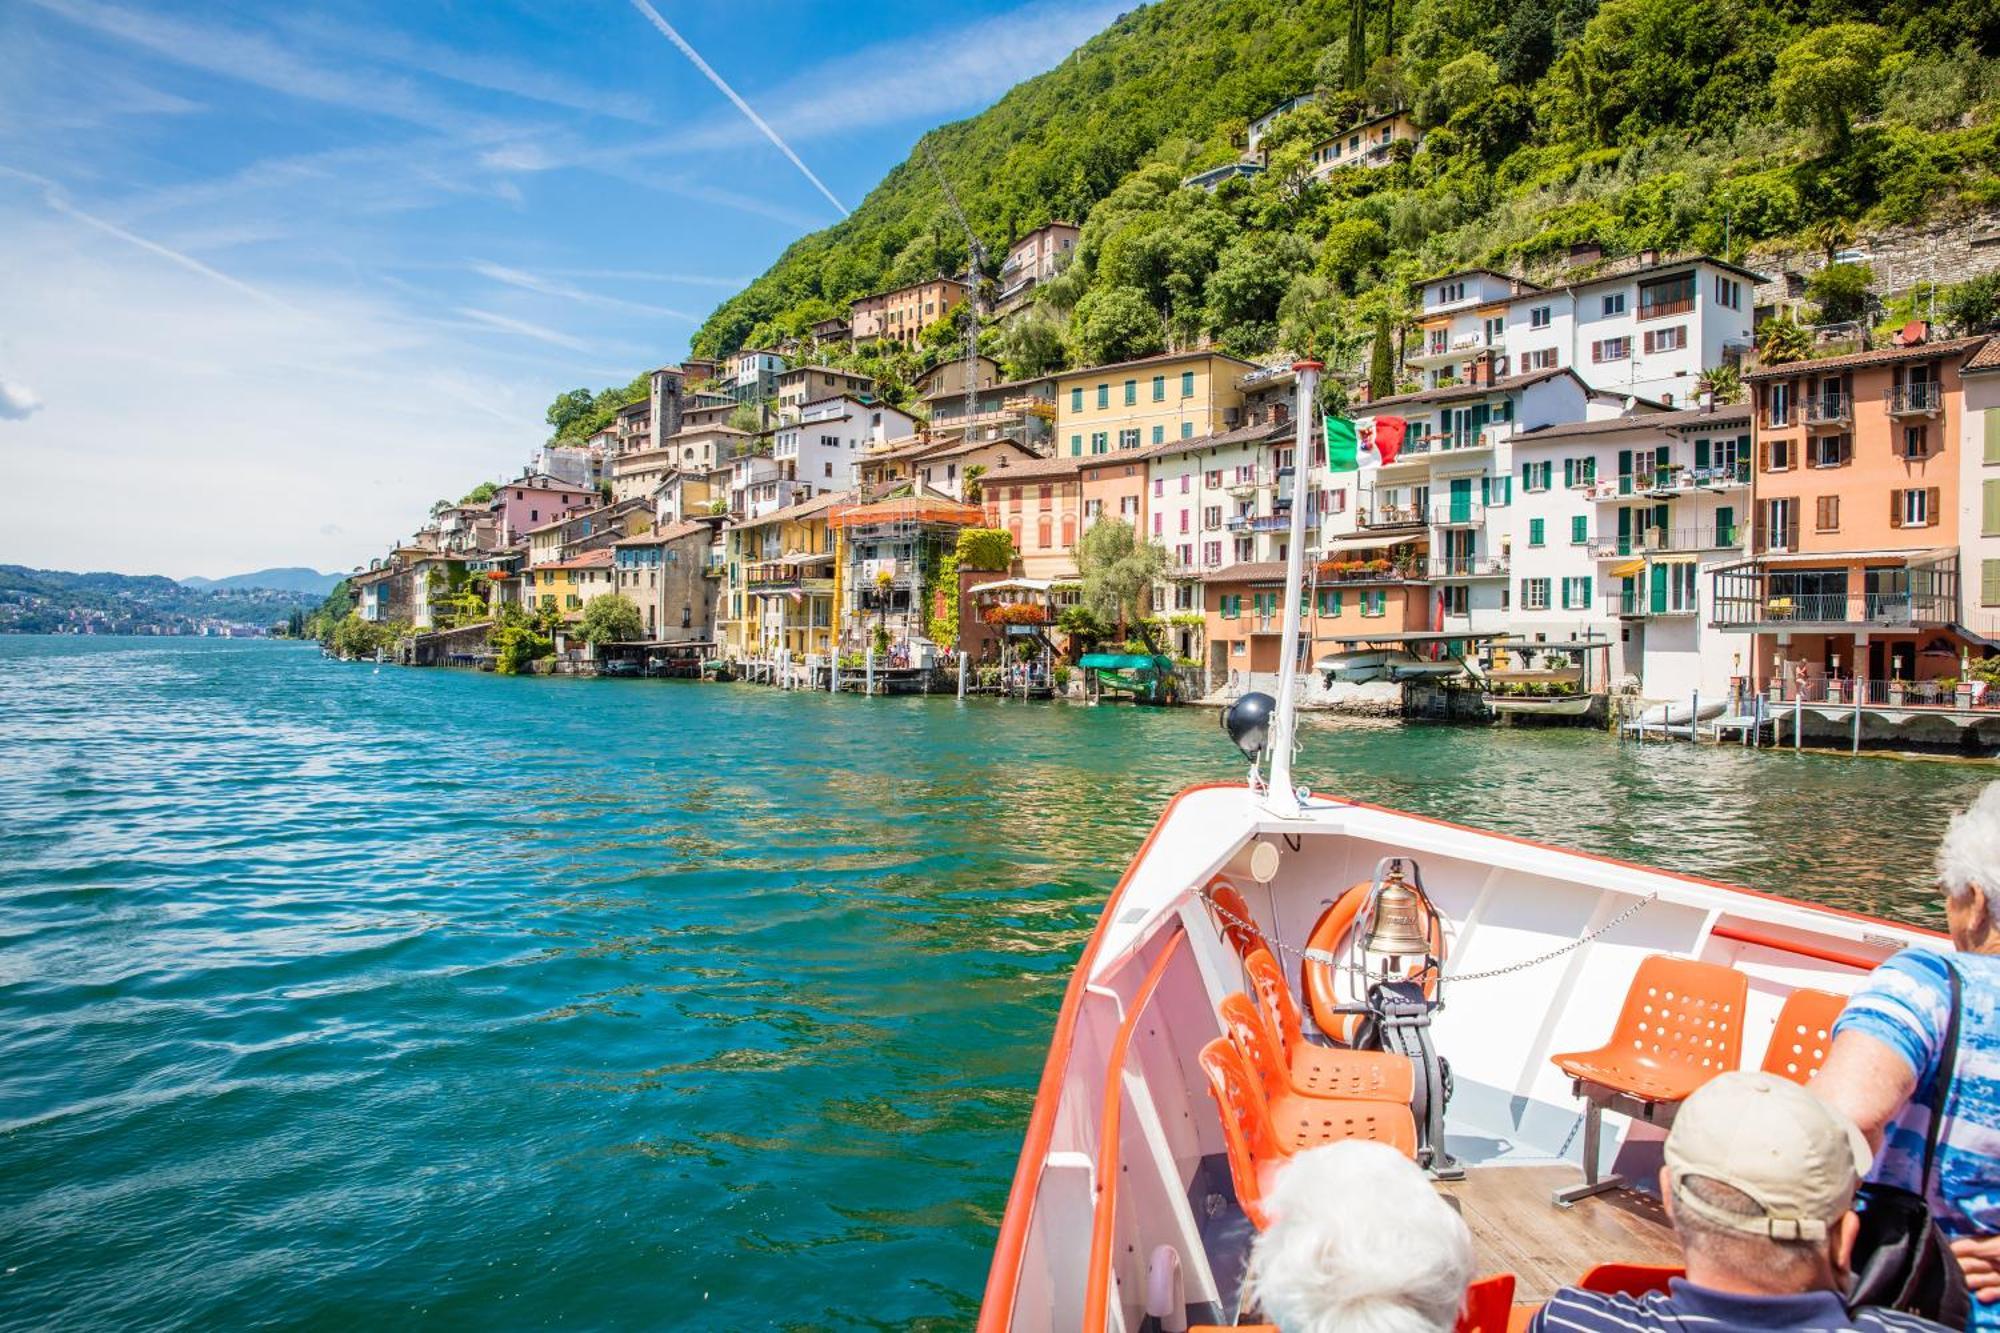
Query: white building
[[823, 448], [1979, 492], [1618, 524], [1464, 331], [753, 375]]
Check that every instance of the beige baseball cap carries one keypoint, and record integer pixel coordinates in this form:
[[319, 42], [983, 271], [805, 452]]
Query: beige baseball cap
[[1797, 1158]]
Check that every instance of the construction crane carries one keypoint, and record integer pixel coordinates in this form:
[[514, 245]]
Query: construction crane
[[976, 262]]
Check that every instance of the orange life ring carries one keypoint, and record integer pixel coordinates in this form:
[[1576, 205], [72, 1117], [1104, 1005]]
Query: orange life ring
[[1319, 982]]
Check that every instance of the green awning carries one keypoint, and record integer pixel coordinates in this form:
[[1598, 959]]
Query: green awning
[[1123, 662]]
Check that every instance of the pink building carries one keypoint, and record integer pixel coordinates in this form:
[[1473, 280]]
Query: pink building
[[532, 501]]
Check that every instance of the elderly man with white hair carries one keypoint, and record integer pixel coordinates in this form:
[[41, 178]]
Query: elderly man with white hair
[[1883, 1068], [1359, 1242]]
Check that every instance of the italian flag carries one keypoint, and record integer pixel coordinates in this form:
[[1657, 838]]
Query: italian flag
[[1349, 446]]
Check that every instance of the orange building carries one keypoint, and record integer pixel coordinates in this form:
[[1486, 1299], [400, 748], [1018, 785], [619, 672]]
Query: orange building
[[899, 316], [1854, 548], [1243, 611], [1037, 502], [1114, 486]]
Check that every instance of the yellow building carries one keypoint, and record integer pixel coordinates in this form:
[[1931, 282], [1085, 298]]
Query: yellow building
[[781, 581], [1137, 404], [567, 585]]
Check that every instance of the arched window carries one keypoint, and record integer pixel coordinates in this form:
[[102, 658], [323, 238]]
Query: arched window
[[1044, 532], [1069, 531], [1014, 531]]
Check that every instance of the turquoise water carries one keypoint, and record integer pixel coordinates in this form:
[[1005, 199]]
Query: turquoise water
[[332, 997]]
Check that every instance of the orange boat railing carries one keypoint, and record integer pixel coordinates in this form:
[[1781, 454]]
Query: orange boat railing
[[1104, 1212]]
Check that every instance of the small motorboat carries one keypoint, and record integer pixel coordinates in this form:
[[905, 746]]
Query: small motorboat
[[1541, 705], [1358, 666], [1679, 714]]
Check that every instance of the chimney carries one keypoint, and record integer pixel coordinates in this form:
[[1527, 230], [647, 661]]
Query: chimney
[[1667, 399], [1481, 369], [1648, 258]]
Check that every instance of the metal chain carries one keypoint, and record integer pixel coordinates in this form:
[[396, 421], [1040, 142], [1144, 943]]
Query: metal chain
[[1324, 958]]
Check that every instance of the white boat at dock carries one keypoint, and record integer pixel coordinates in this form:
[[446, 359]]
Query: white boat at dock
[[1542, 705]]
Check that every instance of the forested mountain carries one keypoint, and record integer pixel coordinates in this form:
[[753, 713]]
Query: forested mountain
[[291, 578], [1675, 124], [52, 601]]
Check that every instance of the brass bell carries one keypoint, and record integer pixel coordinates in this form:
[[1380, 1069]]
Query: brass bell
[[1397, 930]]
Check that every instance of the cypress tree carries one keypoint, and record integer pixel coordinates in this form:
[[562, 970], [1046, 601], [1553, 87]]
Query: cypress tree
[[1357, 44], [1382, 365]]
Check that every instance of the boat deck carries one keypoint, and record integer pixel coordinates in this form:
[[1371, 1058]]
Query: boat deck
[[1515, 1229]]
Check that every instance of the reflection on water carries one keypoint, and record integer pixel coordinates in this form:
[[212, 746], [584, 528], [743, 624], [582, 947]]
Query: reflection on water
[[334, 997]]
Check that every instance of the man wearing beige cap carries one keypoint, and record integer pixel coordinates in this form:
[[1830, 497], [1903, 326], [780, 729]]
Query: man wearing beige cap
[[1759, 1183]]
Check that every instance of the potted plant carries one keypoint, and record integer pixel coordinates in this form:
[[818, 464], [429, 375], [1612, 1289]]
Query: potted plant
[[1898, 692]]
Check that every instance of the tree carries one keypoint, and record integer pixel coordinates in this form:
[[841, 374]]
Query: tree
[[1827, 77], [481, 494], [1032, 346], [747, 418], [1356, 69], [1083, 626], [1116, 324], [610, 618], [1783, 339], [569, 409], [1350, 248], [1725, 382], [1382, 362], [1118, 570], [1841, 290], [1249, 281], [1459, 86], [1973, 306]]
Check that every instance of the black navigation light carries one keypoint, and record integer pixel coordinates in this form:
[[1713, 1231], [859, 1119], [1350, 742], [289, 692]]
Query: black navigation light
[[1248, 722]]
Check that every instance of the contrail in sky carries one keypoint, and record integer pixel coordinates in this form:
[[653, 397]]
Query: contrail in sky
[[667, 31]]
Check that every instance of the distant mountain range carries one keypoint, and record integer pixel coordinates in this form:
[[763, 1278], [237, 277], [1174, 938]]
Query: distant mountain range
[[292, 578], [52, 601]]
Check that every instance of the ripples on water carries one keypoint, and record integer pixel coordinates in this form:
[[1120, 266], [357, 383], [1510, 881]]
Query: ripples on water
[[336, 997]]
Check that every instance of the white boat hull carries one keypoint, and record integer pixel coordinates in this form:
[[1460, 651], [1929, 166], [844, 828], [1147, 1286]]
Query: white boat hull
[[1678, 714], [1561, 705]]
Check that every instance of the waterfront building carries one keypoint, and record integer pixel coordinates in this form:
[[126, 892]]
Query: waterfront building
[[1452, 484], [823, 447], [886, 564], [1023, 411], [1979, 492], [948, 464], [682, 495], [1854, 568], [1618, 526], [662, 571], [1243, 612], [697, 371], [500, 571], [567, 585], [812, 384], [1372, 143], [383, 592], [433, 575], [1149, 401], [1034, 259], [1260, 124], [948, 377], [781, 581], [901, 315], [1462, 336], [532, 500], [587, 530], [1038, 504], [466, 528]]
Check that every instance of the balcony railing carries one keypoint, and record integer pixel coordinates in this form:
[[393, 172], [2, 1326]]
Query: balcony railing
[[1467, 566], [1887, 693], [1709, 537], [1918, 398], [1829, 409], [1458, 513], [1389, 516], [1750, 594], [1670, 481], [1258, 522], [1638, 603], [1662, 309]]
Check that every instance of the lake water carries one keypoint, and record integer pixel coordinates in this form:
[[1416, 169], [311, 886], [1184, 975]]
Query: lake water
[[334, 997]]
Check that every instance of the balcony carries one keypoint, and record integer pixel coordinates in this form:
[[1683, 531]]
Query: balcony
[[1251, 483], [1692, 538], [1920, 398], [1389, 516], [1258, 522], [1457, 514], [1468, 567], [1377, 570], [1638, 603], [1829, 409], [1753, 595], [1667, 482]]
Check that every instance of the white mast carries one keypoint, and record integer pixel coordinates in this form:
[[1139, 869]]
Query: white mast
[[1282, 797]]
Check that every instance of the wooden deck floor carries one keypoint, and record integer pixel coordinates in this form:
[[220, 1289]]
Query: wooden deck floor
[[1515, 1229]]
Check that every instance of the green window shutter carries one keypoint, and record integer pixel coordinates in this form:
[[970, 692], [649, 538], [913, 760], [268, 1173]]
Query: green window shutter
[[1104, 395], [1187, 384], [1624, 471], [1701, 453], [1989, 582], [1486, 490], [1159, 434], [1506, 490], [1159, 388], [1725, 525], [1569, 472], [1992, 415], [1131, 392], [1338, 597], [1535, 530], [1989, 496], [1659, 577], [1659, 516], [1076, 446], [1587, 589], [1579, 530], [1076, 400]]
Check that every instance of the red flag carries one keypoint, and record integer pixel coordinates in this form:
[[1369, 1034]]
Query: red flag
[[1389, 433]]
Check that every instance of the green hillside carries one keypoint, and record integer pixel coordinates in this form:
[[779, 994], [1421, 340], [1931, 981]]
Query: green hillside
[[1676, 124]]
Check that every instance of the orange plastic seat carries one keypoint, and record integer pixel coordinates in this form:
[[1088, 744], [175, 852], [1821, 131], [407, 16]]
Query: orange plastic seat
[[1629, 1279], [1804, 1031], [1680, 1026], [1233, 919], [1314, 1071], [1260, 1134], [1523, 1315], [1489, 1302]]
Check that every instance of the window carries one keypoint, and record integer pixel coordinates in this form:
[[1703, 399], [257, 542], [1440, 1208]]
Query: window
[[1447, 291], [1539, 317], [1535, 476], [1728, 292], [1159, 487], [1333, 501], [1537, 530], [1916, 442], [1829, 450], [1187, 481], [1780, 528], [1666, 296], [1579, 471], [1159, 524], [1232, 605], [1159, 388], [1075, 446], [1613, 305], [1184, 520], [1099, 442], [1104, 395], [1131, 392], [1779, 455], [1212, 479], [1211, 517], [1159, 434], [1666, 340], [1579, 530], [1534, 594], [1187, 385], [1541, 359], [1329, 602], [1374, 602], [1211, 553], [1128, 439], [1184, 554], [1826, 514], [1076, 400], [1989, 500], [1913, 508], [1187, 430], [1610, 349], [1576, 593]]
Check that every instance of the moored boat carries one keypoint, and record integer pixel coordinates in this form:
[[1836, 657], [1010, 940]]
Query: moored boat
[[1514, 972]]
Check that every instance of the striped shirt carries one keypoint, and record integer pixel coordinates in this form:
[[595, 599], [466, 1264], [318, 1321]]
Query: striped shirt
[[1686, 1306], [1906, 1006]]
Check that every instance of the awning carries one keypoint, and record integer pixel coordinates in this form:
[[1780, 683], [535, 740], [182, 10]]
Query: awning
[[1628, 569], [1673, 559], [1362, 541], [1851, 557]]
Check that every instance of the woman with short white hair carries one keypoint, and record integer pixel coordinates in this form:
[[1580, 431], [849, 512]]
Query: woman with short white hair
[[1359, 1242], [1891, 1043]]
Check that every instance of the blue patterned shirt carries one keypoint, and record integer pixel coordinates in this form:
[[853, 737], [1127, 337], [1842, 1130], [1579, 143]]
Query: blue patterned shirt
[[1905, 1005], [1686, 1308]]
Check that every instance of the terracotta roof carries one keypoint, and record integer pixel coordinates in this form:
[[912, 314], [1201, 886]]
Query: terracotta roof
[[1881, 356], [672, 532], [951, 449], [1254, 571], [588, 560], [1452, 393], [1987, 357], [1526, 285], [1033, 469], [1687, 419], [803, 509], [1252, 434], [1154, 359]]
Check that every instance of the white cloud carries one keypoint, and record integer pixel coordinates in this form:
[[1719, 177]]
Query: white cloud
[[524, 329], [530, 282], [17, 401]]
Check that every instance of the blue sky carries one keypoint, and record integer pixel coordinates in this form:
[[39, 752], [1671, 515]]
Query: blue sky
[[273, 278]]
